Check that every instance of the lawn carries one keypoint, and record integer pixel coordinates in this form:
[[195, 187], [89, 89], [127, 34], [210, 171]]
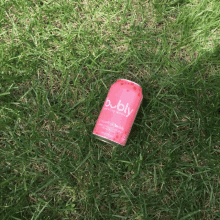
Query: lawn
[[58, 60]]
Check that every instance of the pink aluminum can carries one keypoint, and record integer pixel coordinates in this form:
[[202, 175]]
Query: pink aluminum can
[[118, 113]]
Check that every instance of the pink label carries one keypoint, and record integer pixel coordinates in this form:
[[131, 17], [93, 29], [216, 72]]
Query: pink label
[[118, 113]]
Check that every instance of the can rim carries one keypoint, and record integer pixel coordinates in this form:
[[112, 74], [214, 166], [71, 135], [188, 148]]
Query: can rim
[[106, 140], [131, 82]]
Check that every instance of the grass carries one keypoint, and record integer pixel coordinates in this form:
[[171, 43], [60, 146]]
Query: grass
[[58, 60]]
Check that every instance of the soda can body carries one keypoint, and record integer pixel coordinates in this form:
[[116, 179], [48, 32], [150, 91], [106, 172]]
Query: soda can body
[[118, 112]]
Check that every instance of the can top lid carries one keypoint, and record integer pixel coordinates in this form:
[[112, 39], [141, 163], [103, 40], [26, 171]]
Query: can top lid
[[131, 82]]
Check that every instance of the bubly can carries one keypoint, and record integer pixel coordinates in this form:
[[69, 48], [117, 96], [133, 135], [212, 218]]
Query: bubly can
[[118, 113]]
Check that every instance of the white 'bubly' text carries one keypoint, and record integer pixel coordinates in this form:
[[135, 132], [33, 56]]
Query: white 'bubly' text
[[120, 107]]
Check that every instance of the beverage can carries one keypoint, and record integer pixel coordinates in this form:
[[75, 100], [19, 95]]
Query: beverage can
[[118, 112]]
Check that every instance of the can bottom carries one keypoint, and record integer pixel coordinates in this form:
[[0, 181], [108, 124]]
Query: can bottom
[[106, 140]]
